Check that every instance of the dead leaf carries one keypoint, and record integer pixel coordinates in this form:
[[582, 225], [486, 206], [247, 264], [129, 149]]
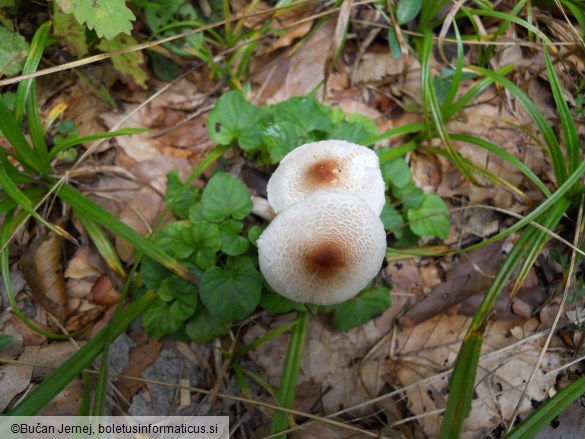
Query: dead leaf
[[15, 378], [104, 292], [471, 275], [41, 266]]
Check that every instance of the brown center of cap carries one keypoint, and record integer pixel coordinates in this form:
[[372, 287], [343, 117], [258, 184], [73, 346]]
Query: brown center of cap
[[325, 258], [323, 173]]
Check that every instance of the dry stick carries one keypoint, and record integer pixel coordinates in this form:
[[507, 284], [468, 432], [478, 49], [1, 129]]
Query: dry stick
[[567, 280]]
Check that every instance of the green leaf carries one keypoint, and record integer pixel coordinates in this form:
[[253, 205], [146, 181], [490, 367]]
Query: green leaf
[[201, 239], [396, 173], [233, 118], [431, 218], [360, 310], [129, 64], [225, 196], [232, 243], [254, 233], [203, 327], [394, 44], [13, 52], [280, 138], [158, 320], [5, 340], [107, 17], [180, 295], [407, 10], [72, 32], [392, 220], [306, 113], [410, 195], [276, 304], [351, 131], [178, 197], [231, 293]]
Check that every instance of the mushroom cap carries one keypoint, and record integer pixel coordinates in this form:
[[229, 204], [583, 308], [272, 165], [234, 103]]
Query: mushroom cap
[[323, 249], [329, 164]]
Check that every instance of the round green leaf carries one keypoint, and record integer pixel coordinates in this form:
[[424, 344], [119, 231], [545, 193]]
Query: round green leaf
[[199, 237], [254, 233], [231, 293], [158, 321], [232, 244], [225, 196], [431, 218], [359, 310], [234, 118], [203, 327], [392, 220]]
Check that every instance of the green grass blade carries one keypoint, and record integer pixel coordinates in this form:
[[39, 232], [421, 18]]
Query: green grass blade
[[546, 413], [476, 90], [290, 375], [505, 156], [83, 204], [33, 59], [543, 125], [44, 393], [102, 243], [84, 406], [432, 109], [567, 122], [462, 381], [409, 128], [17, 195], [457, 74], [461, 386], [13, 133], [388, 154], [35, 129], [75, 140]]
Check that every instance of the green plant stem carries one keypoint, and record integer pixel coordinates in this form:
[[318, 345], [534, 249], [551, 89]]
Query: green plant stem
[[290, 375]]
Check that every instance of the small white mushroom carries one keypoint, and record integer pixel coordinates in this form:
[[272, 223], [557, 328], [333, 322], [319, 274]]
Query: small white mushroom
[[324, 249], [325, 165]]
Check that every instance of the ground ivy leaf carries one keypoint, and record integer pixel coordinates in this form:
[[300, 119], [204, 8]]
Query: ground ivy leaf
[[231, 293], [254, 233], [225, 196], [392, 220], [232, 244], [276, 304], [233, 118], [13, 47], [306, 113], [204, 327], [158, 321], [107, 17], [205, 259], [179, 198], [281, 138], [396, 173], [5, 340], [131, 64], [350, 132], [199, 237], [431, 218], [359, 310]]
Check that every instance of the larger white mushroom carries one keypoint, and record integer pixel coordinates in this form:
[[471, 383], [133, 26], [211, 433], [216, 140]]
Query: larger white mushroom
[[325, 165], [324, 249]]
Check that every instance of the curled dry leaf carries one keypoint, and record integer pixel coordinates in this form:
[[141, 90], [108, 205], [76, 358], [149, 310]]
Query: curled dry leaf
[[42, 267]]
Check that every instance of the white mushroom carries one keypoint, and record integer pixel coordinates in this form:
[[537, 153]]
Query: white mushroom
[[324, 249], [330, 164]]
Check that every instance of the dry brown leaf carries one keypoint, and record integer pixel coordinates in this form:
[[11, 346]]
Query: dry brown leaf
[[81, 267], [471, 275], [15, 378], [432, 347], [305, 71], [104, 291], [30, 337], [42, 267], [141, 356]]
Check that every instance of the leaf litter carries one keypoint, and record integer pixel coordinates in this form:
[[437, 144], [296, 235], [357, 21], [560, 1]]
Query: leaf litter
[[348, 369]]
